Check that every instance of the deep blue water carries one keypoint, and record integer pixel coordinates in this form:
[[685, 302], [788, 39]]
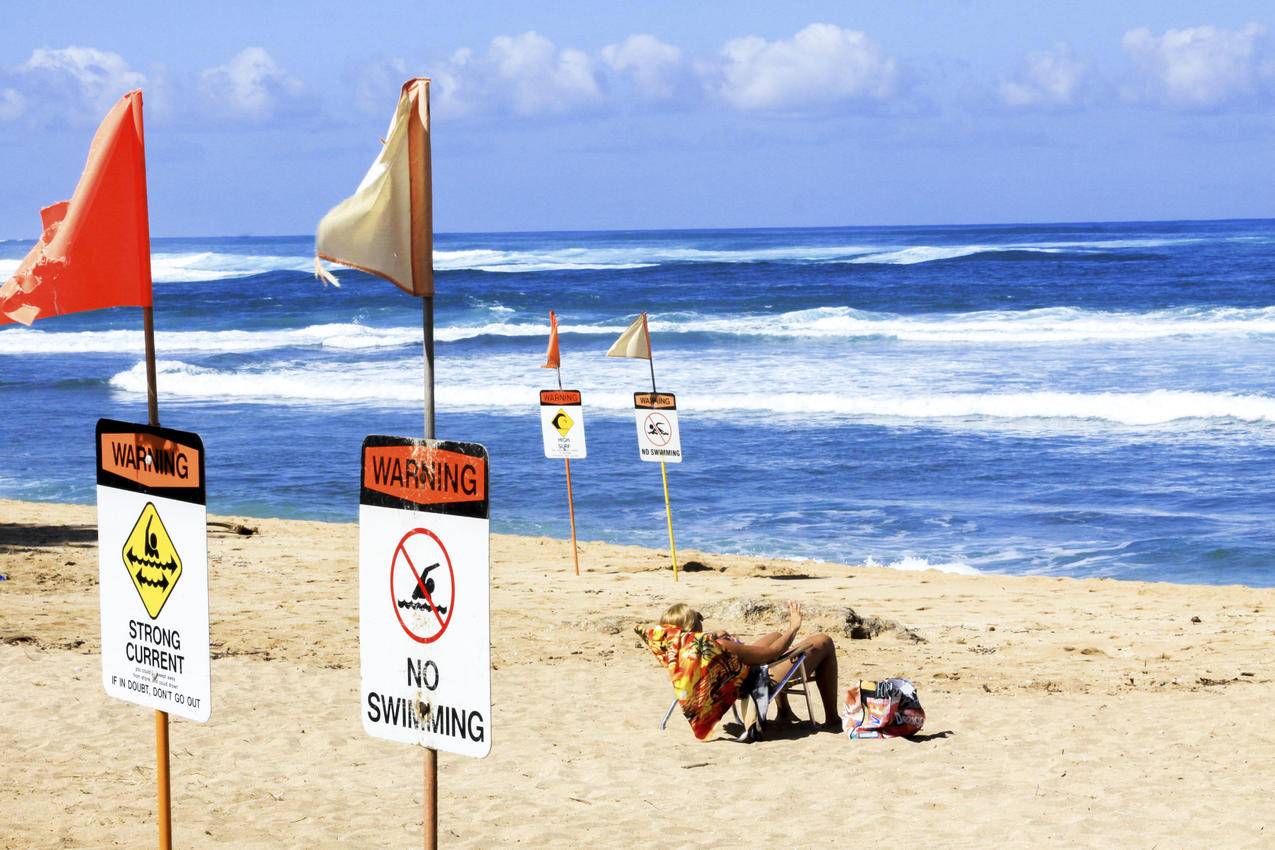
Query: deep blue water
[[1081, 399]]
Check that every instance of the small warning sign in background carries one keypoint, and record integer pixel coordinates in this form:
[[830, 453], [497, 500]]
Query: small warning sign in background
[[424, 594], [562, 423], [657, 435], [153, 567]]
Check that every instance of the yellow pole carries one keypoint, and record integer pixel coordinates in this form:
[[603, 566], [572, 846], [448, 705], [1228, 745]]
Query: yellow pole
[[668, 513]]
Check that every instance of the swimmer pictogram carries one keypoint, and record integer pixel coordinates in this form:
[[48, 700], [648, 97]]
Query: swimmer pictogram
[[422, 585], [151, 560]]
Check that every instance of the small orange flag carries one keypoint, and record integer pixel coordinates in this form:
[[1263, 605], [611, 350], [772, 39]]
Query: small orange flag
[[95, 249], [552, 360]]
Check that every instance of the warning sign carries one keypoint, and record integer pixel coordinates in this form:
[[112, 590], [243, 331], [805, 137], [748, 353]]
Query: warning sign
[[424, 594], [562, 423], [657, 434], [153, 567], [152, 560]]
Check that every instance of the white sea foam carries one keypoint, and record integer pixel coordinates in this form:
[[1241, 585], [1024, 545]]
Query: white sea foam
[[910, 563], [331, 336], [1055, 325], [194, 266], [382, 383]]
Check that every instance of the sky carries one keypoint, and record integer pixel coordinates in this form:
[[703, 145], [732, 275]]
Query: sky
[[587, 116]]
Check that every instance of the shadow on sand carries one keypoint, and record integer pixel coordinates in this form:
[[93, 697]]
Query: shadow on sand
[[17, 535]]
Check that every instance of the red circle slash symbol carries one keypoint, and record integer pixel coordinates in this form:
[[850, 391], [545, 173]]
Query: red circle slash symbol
[[415, 585], [658, 429]]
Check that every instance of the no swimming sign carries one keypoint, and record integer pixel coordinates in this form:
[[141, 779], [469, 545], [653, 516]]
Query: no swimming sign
[[424, 595], [153, 567], [658, 438]]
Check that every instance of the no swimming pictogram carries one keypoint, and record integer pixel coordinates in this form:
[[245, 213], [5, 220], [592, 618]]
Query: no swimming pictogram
[[422, 585], [658, 429]]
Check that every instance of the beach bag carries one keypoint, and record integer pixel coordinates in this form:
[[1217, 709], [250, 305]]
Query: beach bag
[[885, 709]]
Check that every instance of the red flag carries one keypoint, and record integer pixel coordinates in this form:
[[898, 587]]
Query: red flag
[[95, 249], [552, 360]]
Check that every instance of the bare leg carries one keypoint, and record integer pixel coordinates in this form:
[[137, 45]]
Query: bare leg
[[821, 666]]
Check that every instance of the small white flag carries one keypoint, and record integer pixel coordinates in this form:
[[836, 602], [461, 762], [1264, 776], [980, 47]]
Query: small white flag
[[634, 342]]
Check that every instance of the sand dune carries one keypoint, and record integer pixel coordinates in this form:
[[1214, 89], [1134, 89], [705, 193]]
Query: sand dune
[[1061, 712]]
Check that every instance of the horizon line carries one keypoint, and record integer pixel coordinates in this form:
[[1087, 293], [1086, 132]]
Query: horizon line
[[546, 231]]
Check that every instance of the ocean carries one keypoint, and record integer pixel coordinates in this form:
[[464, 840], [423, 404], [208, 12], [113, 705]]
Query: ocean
[[1069, 400]]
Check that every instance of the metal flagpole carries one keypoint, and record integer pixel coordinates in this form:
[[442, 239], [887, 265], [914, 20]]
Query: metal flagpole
[[163, 808], [668, 506], [419, 179]]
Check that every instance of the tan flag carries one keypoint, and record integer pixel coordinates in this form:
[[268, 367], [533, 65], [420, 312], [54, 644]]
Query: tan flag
[[634, 342], [386, 227]]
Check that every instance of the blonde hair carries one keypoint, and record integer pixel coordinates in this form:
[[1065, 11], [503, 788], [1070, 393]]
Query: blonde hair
[[684, 617]]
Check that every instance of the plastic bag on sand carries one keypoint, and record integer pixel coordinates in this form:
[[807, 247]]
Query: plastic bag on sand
[[886, 709]]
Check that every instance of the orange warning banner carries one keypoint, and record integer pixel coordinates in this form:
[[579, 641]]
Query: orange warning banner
[[149, 460], [551, 397], [423, 475], [655, 401]]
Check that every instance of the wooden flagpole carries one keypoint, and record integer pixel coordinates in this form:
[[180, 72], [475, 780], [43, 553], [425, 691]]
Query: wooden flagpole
[[421, 191], [163, 788], [571, 506], [571, 511], [163, 803], [668, 506]]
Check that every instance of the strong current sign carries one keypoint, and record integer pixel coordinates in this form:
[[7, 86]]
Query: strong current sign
[[153, 567], [424, 594]]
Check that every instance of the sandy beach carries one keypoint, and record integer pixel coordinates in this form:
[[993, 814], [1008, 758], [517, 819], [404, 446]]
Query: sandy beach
[[1061, 712]]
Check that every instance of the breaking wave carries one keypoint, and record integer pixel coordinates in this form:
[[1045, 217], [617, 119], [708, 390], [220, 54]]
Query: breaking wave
[[196, 266], [1054, 325], [383, 384]]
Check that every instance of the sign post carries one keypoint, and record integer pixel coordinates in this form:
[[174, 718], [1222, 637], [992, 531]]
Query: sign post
[[424, 596], [153, 578], [659, 441], [562, 431]]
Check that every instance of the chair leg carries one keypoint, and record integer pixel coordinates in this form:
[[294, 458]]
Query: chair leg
[[668, 714], [805, 691]]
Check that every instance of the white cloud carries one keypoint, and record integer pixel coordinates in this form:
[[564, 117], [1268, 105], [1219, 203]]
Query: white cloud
[[12, 104], [251, 86], [655, 68], [523, 74], [72, 79], [1047, 78], [1199, 67], [821, 64]]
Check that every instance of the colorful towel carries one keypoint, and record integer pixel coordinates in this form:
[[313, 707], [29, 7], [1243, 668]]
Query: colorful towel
[[706, 678]]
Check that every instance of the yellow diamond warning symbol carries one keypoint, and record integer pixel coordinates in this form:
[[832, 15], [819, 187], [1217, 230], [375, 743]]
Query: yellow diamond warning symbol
[[562, 422], [152, 560]]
